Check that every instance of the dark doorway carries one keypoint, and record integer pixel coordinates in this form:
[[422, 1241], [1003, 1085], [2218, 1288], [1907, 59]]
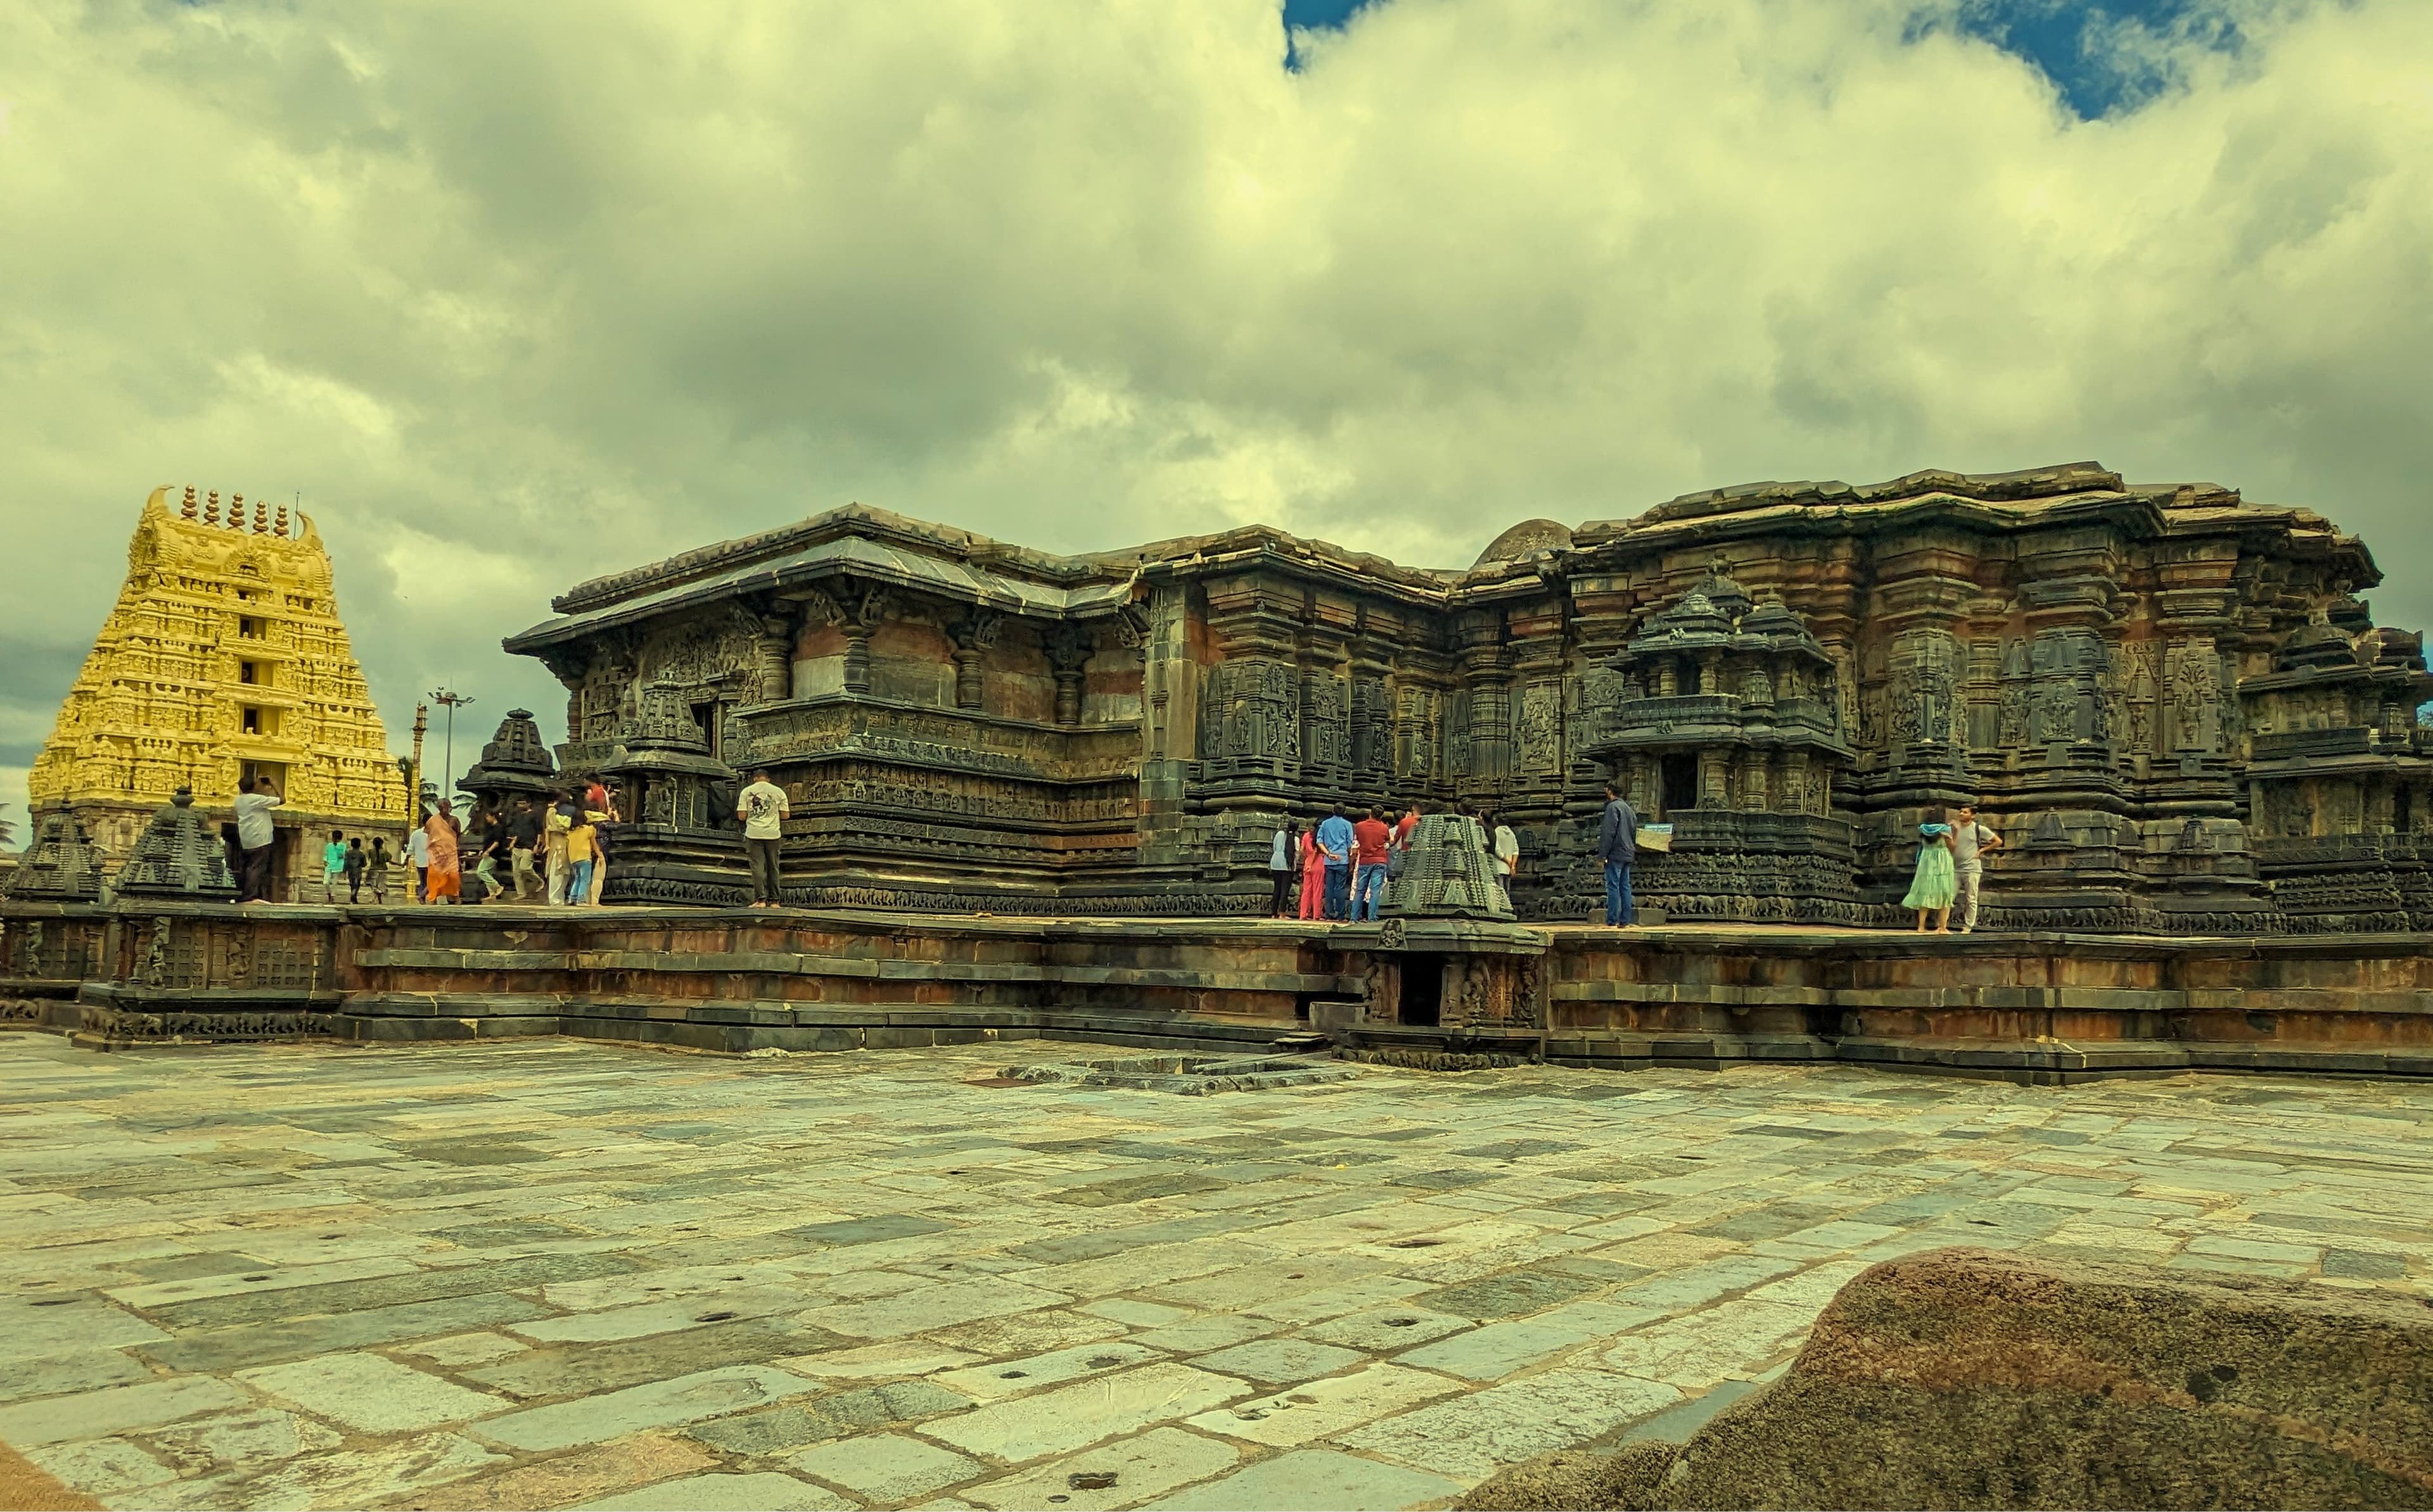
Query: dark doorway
[[1680, 774], [1422, 999], [706, 716]]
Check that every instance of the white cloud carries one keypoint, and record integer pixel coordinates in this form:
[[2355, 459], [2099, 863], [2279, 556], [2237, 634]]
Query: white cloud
[[515, 295]]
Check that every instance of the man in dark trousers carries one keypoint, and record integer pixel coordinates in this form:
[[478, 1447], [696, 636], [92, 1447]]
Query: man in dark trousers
[[1618, 847], [255, 836]]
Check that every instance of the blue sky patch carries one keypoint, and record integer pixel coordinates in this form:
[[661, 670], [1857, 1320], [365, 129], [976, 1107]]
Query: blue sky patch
[[2074, 42]]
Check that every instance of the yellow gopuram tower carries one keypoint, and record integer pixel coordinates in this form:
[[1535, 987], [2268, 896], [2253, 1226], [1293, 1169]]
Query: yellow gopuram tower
[[223, 658]]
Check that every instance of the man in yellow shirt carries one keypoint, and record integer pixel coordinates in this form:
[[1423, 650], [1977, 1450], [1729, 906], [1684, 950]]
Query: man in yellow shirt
[[580, 856]]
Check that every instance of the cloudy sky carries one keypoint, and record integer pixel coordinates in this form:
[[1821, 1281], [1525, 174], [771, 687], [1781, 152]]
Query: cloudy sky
[[516, 294]]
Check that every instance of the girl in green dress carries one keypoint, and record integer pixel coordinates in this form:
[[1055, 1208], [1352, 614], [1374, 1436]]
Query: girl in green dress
[[1936, 883]]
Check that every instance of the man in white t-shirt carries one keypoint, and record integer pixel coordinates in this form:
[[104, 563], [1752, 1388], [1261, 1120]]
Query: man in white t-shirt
[[417, 855], [762, 808], [255, 835], [1970, 840]]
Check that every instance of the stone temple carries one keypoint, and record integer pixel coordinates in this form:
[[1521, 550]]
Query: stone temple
[[2169, 699], [223, 658]]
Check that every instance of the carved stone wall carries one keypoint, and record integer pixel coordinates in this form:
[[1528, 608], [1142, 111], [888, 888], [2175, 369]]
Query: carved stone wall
[[2164, 698]]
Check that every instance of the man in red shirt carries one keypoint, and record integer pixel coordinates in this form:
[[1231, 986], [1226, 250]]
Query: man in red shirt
[[1370, 840], [1410, 822]]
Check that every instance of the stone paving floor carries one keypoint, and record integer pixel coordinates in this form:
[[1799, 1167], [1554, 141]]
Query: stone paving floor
[[558, 1274]]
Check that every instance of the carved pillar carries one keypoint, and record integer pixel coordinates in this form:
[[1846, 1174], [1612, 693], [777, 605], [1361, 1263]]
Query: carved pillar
[[972, 635], [1794, 782], [1714, 777], [1068, 650], [772, 659], [858, 607]]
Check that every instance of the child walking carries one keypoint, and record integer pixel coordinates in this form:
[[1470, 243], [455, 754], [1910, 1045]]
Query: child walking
[[1936, 882], [333, 866]]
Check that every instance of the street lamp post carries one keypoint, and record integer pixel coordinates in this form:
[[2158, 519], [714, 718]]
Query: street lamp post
[[448, 759]]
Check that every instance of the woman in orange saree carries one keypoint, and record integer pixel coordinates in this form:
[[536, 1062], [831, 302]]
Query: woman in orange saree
[[444, 879]]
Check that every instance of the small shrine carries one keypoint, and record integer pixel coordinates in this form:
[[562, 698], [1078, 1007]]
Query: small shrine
[[679, 843], [2340, 774], [177, 856], [1722, 723], [514, 764]]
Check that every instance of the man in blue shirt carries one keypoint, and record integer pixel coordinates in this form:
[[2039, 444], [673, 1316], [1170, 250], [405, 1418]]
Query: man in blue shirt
[[1618, 847], [1335, 838]]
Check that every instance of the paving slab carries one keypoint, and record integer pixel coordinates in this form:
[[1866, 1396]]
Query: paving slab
[[1322, 1409], [1317, 1480], [660, 1404], [1013, 1378], [115, 1409], [761, 1491], [1112, 1475], [884, 1468], [1550, 1410], [779, 1430], [1085, 1412], [372, 1394]]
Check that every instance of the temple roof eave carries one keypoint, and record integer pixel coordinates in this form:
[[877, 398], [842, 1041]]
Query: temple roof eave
[[844, 555]]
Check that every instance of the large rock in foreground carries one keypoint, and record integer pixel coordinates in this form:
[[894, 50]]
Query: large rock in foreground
[[1962, 1378]]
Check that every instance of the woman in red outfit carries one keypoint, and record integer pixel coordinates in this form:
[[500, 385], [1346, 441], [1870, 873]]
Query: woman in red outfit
[[1313, 875]]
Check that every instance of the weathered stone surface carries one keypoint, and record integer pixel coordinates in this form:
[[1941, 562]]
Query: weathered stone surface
[[659, 1404], [1666, 1195], [372, 1394], [1316, 1480], [761, 1491], [885, 1467], [1971, 1379], [1085, 1412], [1784, 675]]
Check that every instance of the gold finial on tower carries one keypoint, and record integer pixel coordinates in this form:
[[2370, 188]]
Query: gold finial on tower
[[280, 529], [186, 510], [261, 517], [212, 513]]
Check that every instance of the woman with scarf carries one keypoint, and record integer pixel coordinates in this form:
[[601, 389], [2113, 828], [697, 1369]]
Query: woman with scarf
[[1937, 881], [443, 881]]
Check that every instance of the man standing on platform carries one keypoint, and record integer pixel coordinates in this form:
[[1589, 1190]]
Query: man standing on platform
[[523, 842], [417, 855], [255, 834], [1370, 840], [1618, 848], [1970, 840], [763, 808], [1335, 839]]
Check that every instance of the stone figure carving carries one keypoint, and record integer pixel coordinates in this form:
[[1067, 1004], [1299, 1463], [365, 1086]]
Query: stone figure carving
[[2193, 698], [1537, 731], [155, 954]]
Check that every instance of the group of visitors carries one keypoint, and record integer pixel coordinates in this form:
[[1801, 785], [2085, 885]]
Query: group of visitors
[[346, 863], [555, 852], [1342, 863]]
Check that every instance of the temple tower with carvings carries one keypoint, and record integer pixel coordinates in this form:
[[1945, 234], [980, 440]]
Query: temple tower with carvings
[[224, 658]]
